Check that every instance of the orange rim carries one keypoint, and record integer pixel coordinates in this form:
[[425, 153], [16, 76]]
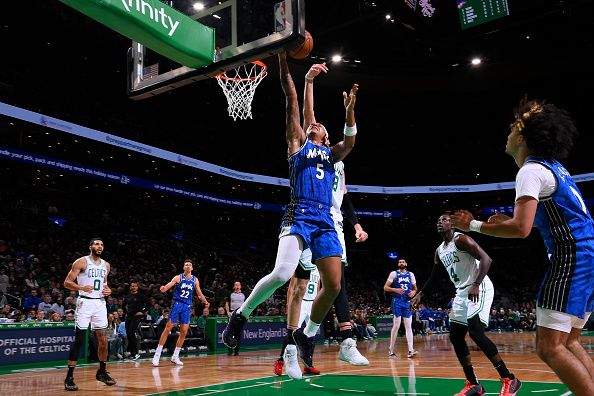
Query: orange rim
[[262, 73]]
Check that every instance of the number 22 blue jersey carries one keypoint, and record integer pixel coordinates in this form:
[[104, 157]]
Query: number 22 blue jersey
[[184, 290]]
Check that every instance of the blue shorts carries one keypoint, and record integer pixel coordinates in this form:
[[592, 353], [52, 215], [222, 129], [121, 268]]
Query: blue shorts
[[180, 313], [401, 308], [314, 224]]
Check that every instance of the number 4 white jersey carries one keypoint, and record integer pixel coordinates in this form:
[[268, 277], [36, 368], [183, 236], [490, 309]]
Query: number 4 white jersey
[[462, 267], [94, 275]]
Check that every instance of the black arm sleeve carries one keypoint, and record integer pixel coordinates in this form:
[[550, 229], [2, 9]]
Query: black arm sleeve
[[429, 284], [349, 210]]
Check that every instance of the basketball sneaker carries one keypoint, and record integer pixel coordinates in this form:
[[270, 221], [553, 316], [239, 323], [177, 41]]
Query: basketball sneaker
[[509, 387], [311, 370], [305, 346], [412, 353], [155, 360], [278, 366], [471, 390], [69, 384], [291, 364], [349, 353], [175, 360], [104, 377], [232, 332]]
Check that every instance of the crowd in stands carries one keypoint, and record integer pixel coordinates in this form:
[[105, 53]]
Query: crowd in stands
[[147, 243]]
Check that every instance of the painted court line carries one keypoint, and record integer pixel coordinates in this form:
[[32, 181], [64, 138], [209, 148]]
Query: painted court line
[[352, 390], [213, 391], [545, 390]]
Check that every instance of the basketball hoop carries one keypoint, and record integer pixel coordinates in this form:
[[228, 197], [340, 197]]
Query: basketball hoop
[[240, 88]]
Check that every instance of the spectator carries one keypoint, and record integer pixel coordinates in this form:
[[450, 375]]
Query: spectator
[[55, 317], [136, 306], [40, 316], [58, 306], [111, 305], [46, 304], [114, 342], [202, 323], [69, 316], [123, 338], [4, 281], [31, 301], [31, 282], [221, 311], [155, 312]]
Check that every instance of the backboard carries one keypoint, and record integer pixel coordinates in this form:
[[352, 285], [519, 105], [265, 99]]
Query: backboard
[[245, 30]]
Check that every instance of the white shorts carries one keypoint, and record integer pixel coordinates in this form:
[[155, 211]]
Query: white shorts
[[560, 321], [90, 311], [463, 308], [305, 311]]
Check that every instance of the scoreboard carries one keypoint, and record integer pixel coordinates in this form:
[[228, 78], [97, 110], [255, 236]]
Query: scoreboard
[[476, 12]]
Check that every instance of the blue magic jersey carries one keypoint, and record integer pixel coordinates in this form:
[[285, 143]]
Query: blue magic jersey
[[567, 229], [403, 281], [311, 174], [184, 290]]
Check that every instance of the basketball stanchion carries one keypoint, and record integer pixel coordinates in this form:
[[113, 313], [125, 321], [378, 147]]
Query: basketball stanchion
[[239, 88]]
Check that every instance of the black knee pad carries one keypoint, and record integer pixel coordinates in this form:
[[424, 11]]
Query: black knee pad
[[477, 333], [79, 341]]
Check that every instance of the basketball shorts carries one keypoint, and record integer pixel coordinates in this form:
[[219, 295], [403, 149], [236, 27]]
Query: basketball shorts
[[180, 313], [90, 311], [305, 264], [464, 309], [305, 311], [560, 321], [401, 308], [313, 223]]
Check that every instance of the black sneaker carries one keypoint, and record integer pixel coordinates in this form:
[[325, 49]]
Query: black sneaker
[[232, 332], [104, 377], [305, 347], [69, 384]]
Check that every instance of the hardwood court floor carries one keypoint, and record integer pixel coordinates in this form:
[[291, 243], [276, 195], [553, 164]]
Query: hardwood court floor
[[434, 371]]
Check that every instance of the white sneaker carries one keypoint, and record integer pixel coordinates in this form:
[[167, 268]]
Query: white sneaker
[[156, 359], [292, 367], [412, 353], [175, 360], [349, 353]]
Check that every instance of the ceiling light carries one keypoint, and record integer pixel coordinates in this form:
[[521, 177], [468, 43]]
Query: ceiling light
[[216, 16], [336, 58], [388, 16], [475, 61], [198, 6]]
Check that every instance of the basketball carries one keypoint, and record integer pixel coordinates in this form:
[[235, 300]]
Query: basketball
[[304, 49]]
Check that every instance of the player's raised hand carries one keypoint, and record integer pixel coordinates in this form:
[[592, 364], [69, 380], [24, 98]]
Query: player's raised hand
[[498, 217], [315, 70], [461, 220], [106, 291], [351, 98]]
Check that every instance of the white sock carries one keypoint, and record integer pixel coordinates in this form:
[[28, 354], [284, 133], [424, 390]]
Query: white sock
[[176, 352], [159, 350], [311, 328], [408, 332]]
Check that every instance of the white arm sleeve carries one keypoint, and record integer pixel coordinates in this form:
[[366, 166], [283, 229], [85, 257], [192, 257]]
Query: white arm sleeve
[[392, 276], [535, 180]]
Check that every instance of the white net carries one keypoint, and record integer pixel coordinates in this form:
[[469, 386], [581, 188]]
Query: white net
[[239, 86]]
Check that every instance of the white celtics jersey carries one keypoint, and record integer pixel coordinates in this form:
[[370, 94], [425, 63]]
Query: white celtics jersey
[[94, 275], [311, 290], [338, 189], [462, 267]]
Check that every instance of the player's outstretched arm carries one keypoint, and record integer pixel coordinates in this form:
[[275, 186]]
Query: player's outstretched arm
[[199, 293], [174, 281], [70, 281], [343, 148], [308, 97], [294, 133]]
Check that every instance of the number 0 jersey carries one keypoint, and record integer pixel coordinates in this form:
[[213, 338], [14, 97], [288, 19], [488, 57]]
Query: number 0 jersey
[[184, 290], [462, 267], [94, 275]]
